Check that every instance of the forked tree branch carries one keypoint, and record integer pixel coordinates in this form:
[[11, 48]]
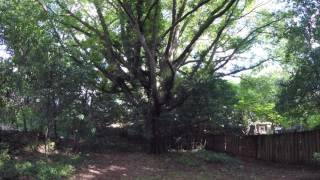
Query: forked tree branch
[[202, 3], [218, 12]]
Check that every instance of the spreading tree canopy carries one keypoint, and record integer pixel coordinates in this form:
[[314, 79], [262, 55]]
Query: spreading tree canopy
[[138, 48]]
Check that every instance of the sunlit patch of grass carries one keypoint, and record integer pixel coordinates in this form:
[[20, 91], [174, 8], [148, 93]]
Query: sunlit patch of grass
[[38, 167]]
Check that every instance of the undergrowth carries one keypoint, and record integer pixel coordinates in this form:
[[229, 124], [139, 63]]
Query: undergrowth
[[38, 166], [316, 157]]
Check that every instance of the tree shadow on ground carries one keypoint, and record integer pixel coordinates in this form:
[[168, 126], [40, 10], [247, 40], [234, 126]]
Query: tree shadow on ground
[[142, 166]]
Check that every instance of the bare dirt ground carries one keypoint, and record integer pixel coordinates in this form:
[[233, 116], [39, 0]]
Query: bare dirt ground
[[141, 166]]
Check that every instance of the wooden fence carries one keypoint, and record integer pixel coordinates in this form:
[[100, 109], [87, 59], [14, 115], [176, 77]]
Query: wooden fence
[[297, 147]]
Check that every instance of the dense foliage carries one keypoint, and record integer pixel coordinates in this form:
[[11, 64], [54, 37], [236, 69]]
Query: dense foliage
[[157, 69], [83, 64], [153, 75], [258, 98], [54, 167], [299, 98]]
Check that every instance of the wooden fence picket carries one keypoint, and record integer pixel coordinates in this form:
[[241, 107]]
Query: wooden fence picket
[[296, 147]]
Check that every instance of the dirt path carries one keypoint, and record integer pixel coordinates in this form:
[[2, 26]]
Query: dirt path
[[140, 166]]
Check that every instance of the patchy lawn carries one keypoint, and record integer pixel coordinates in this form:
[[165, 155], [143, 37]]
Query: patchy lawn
[[181, 166], [201, 165]]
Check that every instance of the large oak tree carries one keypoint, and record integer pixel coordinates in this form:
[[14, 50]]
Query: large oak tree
[[139, 47]]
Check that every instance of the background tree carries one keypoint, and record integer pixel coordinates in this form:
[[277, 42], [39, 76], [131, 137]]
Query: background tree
[[210, 108], [299, 98], [258, 96], [41, 87]]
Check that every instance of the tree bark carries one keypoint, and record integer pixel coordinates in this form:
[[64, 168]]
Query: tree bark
[[55, 132], [25, 129], [158, 144]]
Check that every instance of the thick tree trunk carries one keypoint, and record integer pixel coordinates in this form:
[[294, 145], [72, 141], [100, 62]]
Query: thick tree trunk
[[158, 144], [54, 114], [55, 132], [76, 145], [25, 129]]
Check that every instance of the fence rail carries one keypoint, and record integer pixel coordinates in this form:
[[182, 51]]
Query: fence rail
[[297, 147]]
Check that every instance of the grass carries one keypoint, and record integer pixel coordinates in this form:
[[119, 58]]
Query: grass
[[196, 166], [38, 166], [201, 157]]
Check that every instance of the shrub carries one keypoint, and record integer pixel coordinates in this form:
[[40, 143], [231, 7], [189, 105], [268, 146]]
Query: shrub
[[7, 166], [316, 156], [40, 167]]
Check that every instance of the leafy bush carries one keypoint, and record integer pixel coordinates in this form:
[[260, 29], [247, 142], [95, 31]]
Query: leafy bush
[[3, 146], [40, 167], [7, 166], [45, 170], [316, 156]]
